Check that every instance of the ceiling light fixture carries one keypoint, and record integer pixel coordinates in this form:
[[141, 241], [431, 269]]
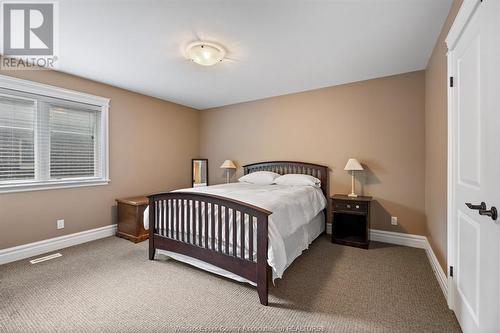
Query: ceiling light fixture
[[205, 53]]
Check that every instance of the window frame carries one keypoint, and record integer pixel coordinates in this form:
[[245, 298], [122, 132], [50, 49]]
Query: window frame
[[40, 90]]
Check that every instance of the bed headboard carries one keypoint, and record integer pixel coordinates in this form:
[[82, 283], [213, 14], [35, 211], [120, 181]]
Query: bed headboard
[[286, 167]]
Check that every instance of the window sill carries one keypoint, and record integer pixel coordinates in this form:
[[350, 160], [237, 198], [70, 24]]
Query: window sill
[[25, 187]]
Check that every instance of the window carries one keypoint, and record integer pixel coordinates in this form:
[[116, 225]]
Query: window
[[50, 137]]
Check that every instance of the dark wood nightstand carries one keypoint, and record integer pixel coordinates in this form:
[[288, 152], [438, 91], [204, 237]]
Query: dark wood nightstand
[[351, 220], [130, 219]]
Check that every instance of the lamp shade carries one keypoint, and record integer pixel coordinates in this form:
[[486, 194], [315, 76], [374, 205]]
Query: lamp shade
[[228, 164], [353, 164]]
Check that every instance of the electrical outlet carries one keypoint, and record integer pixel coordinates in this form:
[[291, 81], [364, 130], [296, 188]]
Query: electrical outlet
[[60, 224], [394, 220]]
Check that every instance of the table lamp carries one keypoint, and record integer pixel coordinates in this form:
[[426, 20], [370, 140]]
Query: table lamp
[[228, 164], [353, 165]]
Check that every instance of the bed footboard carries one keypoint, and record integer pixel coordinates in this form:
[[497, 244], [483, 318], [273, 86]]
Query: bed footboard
[[226, 233]]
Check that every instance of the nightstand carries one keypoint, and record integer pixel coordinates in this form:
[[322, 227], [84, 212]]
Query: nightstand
[[351, 220], [130, 218]]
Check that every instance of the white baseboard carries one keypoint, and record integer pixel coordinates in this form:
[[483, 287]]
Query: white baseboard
[[417, 241], [438, 270], [398, 238], [53, 244]]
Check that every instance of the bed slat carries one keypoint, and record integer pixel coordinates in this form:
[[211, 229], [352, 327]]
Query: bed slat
[[226, 229], [163, 218], [206, 224], [212, 227], [250, 237], [199, 224], [183, 220], [242, 235], [188, 221], [219, 228], [234, 232]]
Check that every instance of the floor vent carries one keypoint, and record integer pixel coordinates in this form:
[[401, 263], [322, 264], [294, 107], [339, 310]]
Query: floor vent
[[52, 256]]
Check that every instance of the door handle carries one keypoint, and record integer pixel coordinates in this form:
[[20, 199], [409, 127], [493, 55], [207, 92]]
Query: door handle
[[491, 213], [480, 207]]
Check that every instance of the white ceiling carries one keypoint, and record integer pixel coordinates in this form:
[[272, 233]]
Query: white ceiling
[[275, 47]]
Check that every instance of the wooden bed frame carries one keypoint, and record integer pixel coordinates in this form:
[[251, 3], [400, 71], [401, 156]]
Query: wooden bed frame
[[176, 224]]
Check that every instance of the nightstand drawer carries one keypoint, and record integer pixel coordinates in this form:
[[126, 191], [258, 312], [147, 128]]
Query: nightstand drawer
[[361, 207]]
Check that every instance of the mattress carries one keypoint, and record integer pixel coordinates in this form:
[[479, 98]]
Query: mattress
[[293, 208]]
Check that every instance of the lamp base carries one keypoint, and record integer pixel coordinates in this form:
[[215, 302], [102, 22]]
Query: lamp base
[[352, 194]]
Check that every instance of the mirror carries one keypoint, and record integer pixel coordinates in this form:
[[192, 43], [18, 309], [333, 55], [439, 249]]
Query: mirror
[[200, 172]]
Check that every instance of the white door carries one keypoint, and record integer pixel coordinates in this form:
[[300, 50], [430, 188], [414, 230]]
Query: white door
[[475, 169]]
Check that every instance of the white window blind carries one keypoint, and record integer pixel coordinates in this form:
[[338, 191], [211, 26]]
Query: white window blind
[[74, 143], [45, 141], [17, 138]]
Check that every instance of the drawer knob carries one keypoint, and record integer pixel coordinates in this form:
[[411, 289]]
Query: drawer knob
[[357, 206], [348, 206]]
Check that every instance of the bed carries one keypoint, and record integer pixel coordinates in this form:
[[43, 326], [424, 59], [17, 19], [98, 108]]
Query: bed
[[246, 232]]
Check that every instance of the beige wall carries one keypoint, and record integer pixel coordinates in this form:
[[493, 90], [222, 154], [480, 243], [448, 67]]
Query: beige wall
[[436, 142], [151, 146], [380, 122]]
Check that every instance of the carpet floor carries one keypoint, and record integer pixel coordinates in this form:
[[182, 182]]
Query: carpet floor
[[109, 285]]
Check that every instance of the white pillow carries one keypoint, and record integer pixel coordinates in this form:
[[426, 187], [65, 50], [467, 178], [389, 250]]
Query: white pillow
[[260, 178], [298, 179]]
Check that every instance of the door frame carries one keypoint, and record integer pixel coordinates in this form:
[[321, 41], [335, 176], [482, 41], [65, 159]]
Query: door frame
[[467, 9]]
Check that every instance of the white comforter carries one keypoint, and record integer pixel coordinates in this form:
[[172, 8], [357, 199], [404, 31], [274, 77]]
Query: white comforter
[[292, 207]]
